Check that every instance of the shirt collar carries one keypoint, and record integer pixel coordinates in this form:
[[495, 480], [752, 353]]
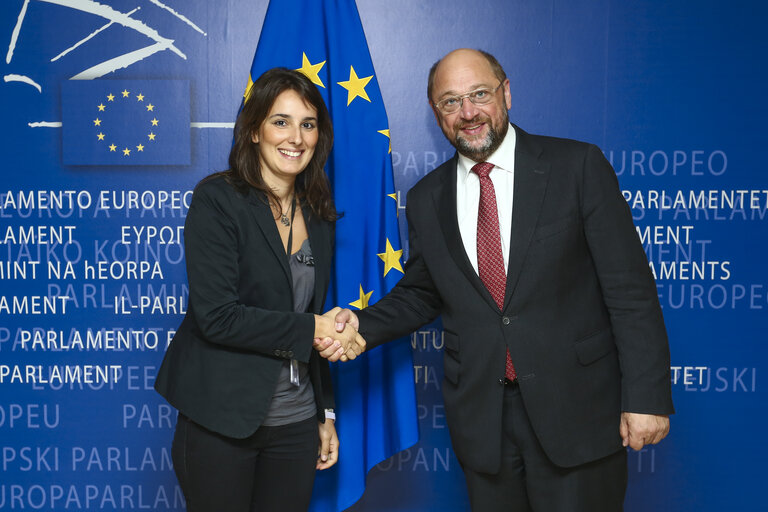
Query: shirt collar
[[502, 158]]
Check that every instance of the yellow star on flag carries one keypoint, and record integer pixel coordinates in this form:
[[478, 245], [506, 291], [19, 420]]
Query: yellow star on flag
[[355, 86], [391, 259], [97, 122], [126, 151], [101, 107], [140, 97], [110, 97], [154, 122], [362, 302], [394, 196], [311, 70], [112, 147], [125, 93], [151, 136], [140, 147], [386, 134], [100, 136], [248, 87], [150, 107]]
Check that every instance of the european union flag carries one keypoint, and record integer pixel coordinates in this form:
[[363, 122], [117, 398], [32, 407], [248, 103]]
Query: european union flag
[[126, 122], [375, 396]]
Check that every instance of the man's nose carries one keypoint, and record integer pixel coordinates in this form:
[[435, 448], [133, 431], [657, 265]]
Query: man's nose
[[467, 108]]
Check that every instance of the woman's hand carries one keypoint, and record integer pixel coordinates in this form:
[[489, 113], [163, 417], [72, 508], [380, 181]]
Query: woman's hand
[[328, 451], [334, 343]]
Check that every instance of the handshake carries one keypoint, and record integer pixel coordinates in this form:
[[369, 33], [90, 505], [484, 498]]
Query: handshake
[[336, 337]]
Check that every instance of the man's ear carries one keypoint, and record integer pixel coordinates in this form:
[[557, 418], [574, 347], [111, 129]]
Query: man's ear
[[507, 94]]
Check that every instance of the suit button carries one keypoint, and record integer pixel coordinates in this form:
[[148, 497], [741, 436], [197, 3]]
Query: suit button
[[277, 353], [505, 320], [290, 353]]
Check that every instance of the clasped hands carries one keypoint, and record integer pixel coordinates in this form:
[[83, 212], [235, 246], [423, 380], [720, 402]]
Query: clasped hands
[[336, 336]]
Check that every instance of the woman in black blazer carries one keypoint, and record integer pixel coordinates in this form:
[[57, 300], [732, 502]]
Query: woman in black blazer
[[254, 398]]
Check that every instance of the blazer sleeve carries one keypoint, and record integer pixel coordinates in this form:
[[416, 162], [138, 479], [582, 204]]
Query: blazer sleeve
[[628, 289], [212, 258], [413, 302]]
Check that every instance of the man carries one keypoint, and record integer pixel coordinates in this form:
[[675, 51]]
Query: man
[[556, 355]]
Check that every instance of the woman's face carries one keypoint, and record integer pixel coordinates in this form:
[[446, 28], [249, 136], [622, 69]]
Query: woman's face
[[287, 137]]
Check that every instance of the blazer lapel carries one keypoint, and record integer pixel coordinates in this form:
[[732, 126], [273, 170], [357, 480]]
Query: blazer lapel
[[319, 240], [444, 198], [531, 177], [263, 215]]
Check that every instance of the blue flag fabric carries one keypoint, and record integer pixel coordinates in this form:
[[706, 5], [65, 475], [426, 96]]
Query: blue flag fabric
[[126, 122], [375, 395]]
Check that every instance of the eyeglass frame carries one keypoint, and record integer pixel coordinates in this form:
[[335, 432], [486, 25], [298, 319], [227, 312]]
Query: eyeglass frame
[[464, 96]]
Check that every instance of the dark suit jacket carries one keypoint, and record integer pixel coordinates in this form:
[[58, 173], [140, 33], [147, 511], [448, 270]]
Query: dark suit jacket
[[581, 317], [221, 368]]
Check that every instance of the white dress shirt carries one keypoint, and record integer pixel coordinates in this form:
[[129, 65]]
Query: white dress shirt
[[468, 196]]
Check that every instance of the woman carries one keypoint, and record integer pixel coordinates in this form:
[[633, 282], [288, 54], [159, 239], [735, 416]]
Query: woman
[[254, 397]]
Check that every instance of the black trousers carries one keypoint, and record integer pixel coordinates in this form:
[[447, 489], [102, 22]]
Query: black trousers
[[528, 481], [271, 470]]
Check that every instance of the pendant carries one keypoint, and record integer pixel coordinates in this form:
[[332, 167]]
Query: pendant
[[284, 219]]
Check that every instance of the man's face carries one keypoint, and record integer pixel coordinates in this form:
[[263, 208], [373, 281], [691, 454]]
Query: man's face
[[476, 131]]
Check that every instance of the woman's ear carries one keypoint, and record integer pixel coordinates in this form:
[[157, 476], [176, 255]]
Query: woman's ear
[[255, 137]]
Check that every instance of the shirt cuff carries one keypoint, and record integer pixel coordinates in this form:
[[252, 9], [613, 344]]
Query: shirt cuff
[[330, 415]]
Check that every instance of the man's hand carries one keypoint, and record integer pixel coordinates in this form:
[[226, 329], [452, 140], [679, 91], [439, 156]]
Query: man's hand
[[637, 430], [333, 343], [345, 316]]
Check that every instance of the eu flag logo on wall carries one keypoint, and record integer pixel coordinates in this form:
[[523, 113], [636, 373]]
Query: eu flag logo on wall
[[126, 122]]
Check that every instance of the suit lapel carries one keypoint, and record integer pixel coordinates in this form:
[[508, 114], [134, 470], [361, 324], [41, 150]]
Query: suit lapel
[[444, 198], [321, 254], [262, 213], [531, 176]]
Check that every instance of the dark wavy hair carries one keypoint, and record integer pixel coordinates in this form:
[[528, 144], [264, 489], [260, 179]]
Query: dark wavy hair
[[312, 186]]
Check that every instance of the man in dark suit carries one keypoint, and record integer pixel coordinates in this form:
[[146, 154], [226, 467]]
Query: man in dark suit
[[556, 356]]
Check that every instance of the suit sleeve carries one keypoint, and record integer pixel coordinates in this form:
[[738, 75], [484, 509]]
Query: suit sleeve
[[413, 302], [211, 248], [628, 289], [328, 400]]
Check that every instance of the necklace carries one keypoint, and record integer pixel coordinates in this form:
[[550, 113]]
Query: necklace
[[284, 214]]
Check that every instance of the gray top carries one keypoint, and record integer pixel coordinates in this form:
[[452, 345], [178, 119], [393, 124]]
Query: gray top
[[292, 403]]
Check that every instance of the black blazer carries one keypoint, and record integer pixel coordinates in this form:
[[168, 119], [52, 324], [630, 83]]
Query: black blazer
[[222, 365], [581, 317]]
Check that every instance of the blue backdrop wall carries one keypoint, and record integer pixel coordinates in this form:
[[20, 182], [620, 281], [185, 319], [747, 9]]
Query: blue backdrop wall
[[673, 92]]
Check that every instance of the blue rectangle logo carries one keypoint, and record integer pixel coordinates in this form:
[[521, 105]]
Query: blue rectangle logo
[[126, 122]]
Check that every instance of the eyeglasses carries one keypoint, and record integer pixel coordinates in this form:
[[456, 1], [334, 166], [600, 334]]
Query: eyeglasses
[[452, 104]]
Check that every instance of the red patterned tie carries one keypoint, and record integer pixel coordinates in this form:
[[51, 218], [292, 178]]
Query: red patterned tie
[[490, 259]]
